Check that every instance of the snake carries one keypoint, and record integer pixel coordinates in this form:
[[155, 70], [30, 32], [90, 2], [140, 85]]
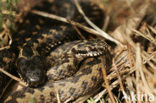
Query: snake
[[73, 66], [30, 62], [73, 76]]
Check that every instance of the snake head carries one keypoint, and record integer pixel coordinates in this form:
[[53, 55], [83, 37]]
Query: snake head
[[90, 48], [31, 70]]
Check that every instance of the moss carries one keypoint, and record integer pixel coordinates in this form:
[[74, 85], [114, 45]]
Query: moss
[[7, 13]]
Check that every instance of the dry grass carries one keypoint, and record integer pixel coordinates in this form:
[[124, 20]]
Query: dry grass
[[137, 84]]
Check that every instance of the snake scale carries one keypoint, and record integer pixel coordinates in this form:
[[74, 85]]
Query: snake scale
[[53, 63]]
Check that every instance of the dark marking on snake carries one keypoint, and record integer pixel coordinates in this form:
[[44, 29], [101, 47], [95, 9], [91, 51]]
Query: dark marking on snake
[[84, 85], [27, 51]]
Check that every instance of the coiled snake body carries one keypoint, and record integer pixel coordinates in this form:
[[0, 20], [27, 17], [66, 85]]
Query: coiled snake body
[[73, 69], [87, 78]]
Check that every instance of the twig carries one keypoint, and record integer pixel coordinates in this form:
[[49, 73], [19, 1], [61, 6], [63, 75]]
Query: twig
[[147, 36], [106, 22], [13, 77], [119, 79], [4, 89], [152, 29], [8, 33], [114, 75], [148, 55], [52, 16], [68, 100], [77, 30], [130, 55], [107, 82], [98, 96], [147, 60], [139, 66], [57, 96], [6, 47], [94, 26]]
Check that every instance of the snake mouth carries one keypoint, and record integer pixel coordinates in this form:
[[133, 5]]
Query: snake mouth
[[35, 77], [35, 82]]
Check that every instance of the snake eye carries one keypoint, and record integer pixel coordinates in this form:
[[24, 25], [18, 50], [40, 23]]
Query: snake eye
[[91, 48], [20, 62]]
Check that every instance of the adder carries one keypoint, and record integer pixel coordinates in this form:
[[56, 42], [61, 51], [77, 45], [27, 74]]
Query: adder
[[32, 55]]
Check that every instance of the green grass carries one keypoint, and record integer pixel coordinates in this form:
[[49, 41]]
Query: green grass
[[32, 100]]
